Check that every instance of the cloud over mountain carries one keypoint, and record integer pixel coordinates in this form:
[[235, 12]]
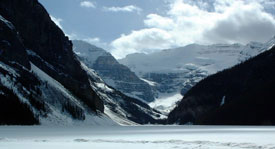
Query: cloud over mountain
[[203, 22]]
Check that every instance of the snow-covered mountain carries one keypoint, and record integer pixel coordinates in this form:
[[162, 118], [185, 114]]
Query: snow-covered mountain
[[43, 82], [30, 95], [175, 71], [254, 48], [114, 74], [120, 108], [241, 95]]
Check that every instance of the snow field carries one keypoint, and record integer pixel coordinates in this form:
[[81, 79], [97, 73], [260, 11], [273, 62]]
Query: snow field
[[145, 137]]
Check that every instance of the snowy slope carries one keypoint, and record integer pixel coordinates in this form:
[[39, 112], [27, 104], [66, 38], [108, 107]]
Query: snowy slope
[[175, 71], [241, 95], [90, 52], [54, 98], [41, 80], [166, 103], [58, 106], [32, 93], [55, 94], [209, 58], [254, 48], [122, 109], [119, 109], [114, 74]]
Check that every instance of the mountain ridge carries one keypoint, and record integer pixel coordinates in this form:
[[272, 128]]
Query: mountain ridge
[[113, 73], [43, 82], [175, 71], [241, 95]]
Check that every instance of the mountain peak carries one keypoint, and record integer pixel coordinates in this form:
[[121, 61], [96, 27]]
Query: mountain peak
[[87, 50], [114, 74]]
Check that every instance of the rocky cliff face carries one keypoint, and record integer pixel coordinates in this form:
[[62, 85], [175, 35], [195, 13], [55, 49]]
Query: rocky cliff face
[[12, 111], [43, 82], [114, 74], [40, 35], [175, 71], [242, 95], [123, 109], [10, 43]]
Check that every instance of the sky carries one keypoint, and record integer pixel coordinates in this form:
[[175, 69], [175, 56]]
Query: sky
[[123, 27]]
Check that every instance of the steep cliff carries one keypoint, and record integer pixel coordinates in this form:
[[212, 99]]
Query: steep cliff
[[40, 35], [175, 71], [43, 82], [114, 74], [242, 95]]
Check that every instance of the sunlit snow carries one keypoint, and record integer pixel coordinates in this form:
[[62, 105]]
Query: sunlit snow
[[136, 137], [166, 103]]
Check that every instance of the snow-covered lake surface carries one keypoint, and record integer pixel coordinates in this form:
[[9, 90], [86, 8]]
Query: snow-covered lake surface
[[137, 137]]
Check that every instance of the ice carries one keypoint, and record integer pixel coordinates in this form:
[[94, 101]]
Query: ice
[[136, 137], [166, 103]]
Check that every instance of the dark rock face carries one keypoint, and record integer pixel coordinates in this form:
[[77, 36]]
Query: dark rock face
[[11, 43], [125, 80], [43, 82], [174, 82], [13, 54], [125, 109], [137, 111], [17, 114], [23, 101], [242, 95], [42, 36], [114, 74]]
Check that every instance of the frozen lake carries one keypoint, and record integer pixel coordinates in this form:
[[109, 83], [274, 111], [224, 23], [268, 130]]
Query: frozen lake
[[140, 137]]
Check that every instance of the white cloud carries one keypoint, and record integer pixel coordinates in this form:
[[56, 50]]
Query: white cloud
[[242, 23], [87, 4], [154, 20], [72, 36], [129, 8], [92, 40], [57, 21], [188, 21], [97, 42], [140, 41]]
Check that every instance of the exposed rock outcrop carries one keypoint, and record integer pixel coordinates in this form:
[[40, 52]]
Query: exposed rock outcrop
[[40, 34], [114, 74]]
